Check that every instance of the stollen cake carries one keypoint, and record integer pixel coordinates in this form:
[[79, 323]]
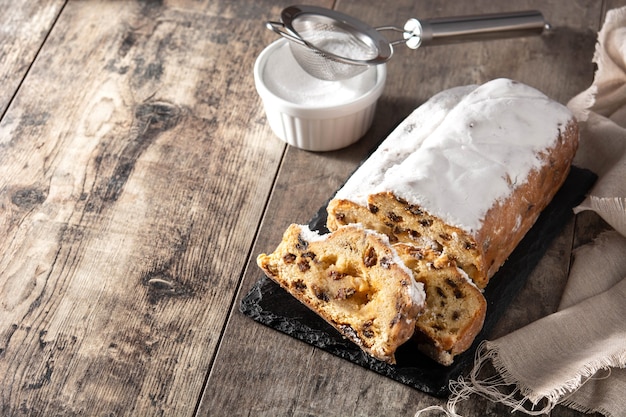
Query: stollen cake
[[433, 212], [466, 174], [352, 278], [455, 308]]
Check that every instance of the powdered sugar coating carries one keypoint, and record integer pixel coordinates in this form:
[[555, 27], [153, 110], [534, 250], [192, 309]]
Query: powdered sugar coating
[[463, 150], [417, 292], [311, 235]]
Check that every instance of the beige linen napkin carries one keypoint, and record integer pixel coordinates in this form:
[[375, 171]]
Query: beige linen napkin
[[576, 356]]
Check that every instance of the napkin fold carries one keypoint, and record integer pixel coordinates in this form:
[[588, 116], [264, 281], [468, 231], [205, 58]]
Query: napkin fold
[[601, 110], [576, 356], [598, 269]]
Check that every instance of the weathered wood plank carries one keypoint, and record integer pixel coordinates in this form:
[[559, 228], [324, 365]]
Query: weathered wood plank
[[278, 375], [23, 29], [134, 170]]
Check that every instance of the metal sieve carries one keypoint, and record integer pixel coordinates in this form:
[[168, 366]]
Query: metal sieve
[[331, 45]]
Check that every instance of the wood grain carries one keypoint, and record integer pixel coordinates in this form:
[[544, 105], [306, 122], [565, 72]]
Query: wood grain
[[130, 194], [23, 30], [314, 382], [139, 180]]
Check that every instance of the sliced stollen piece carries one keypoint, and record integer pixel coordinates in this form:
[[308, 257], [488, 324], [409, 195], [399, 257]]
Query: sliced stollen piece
[[467, 173], [354, 280], [455, 308]]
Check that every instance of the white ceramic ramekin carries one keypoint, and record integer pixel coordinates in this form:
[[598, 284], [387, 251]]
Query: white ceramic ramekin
[[317, 127]]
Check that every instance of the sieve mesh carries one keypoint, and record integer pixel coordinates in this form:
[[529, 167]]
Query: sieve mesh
[[334, 44], [330, 36]]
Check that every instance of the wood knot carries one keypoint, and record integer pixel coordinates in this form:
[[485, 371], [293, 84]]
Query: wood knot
[[156, 116], [162, 285], [28, 197]]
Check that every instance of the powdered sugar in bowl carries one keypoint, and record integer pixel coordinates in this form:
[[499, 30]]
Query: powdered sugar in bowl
[[313, 114]]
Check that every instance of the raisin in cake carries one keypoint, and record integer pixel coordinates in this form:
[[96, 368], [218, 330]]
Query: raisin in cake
[[354, 280], [455, 308], [466, 174]]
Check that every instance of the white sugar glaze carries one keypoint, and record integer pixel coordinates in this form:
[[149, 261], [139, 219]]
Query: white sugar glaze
[[462, 150]]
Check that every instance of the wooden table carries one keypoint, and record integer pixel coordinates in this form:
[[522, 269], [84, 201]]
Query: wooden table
[[139, 180]]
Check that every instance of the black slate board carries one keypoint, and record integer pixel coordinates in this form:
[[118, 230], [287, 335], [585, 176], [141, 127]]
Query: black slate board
[[269, 304]]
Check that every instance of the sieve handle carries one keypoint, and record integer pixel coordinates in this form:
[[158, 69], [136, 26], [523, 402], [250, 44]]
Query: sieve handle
[[282, 30], [441, 31]]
